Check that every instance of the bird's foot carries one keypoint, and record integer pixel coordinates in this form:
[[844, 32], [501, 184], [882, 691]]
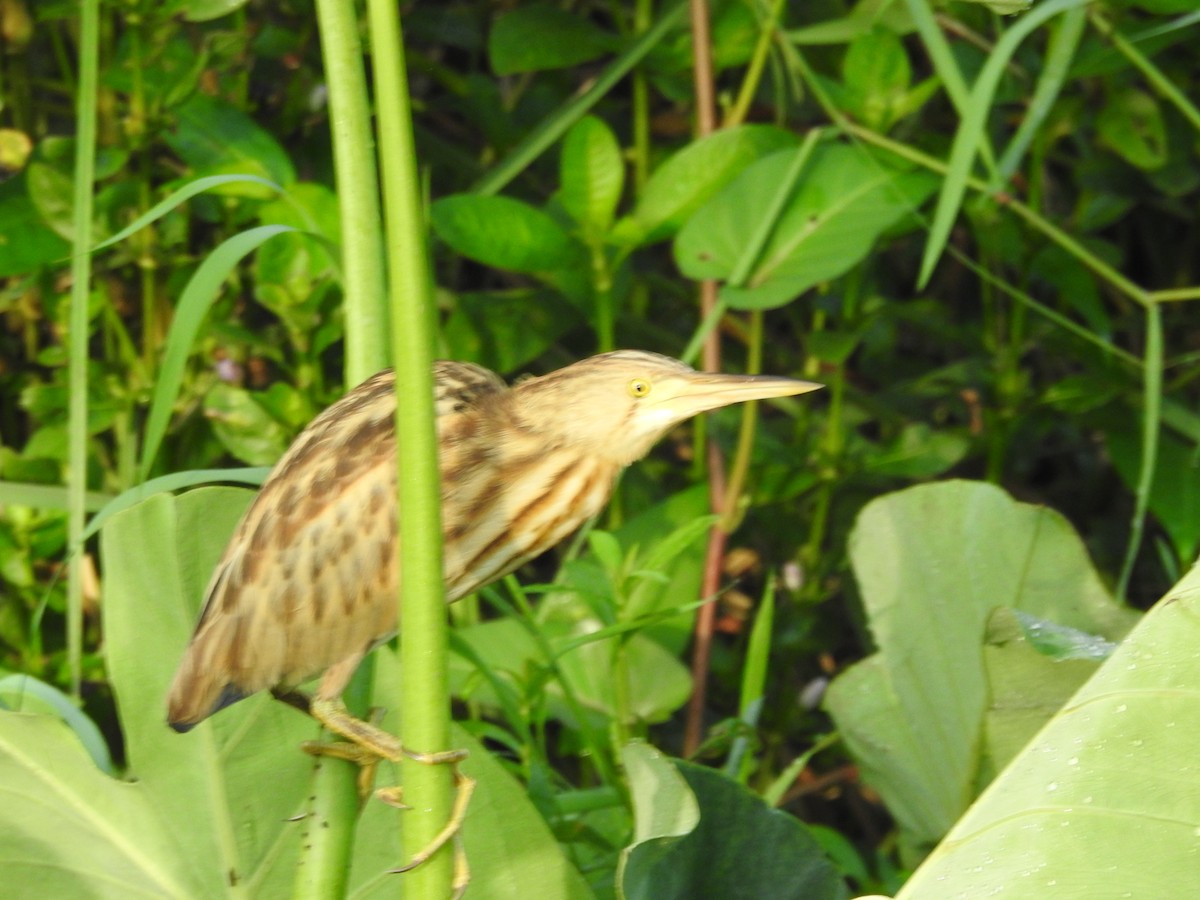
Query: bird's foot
[[365, 745], [452, 831]]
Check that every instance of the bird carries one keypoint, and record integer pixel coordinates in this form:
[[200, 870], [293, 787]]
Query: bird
[[307, 585]]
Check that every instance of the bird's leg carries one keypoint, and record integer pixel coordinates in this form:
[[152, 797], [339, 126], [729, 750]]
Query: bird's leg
[[366, 743], [464, 787]]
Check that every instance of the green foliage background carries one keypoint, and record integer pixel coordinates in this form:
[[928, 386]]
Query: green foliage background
[[978, 230]]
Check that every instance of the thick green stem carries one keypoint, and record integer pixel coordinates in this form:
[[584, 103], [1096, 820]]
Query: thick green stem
[[81, 280], [357, 189], [324, 868], [423, 636]]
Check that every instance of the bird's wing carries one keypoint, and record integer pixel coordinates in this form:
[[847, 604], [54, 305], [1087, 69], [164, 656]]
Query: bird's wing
[[308, 578]]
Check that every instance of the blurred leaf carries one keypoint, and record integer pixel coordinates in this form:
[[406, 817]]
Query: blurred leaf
[[15, 149], [1074, 283], [16, 567], [740, 848], [161, 835], [1163, 7], [298, 258], [689, 177], [215, 137], [244, 426], [164, 78], [24, 694], [1004, 7], [832, 346], [647, 595], [176, 198], [932, 562], [172, 482], [504, 331], [503, 233], [67, 822], [43, 496], [26, 243], [845, 200], [286, 404], [663, 804], [864, 16], [1131, 125], [607, 551], [221, 811], [206, 10], [876, 75], [1026, 685], [541, 36], [1106, 798], [658, 683], [918, 452], [681, 560], [593, 175], [735, 31], [51, 190], [1175, 493]]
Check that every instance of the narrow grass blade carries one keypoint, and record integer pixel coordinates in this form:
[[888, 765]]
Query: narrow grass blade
[[178, 197], [197, 297], [966, 140]]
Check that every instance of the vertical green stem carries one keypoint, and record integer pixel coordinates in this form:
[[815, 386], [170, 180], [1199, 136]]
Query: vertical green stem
[[1151, 423], [325, 866], [754, 70], [731, 515], [602, 289], [357, 188], [81, 280], [642, 13], [423, 637], [136, 128]]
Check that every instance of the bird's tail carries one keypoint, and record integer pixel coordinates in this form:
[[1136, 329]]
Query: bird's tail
[[197, 691]]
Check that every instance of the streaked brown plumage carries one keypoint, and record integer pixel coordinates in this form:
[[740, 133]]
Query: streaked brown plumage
[[308, 582]]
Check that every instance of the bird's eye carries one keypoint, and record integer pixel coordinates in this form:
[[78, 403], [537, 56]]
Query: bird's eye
[[639, 387]]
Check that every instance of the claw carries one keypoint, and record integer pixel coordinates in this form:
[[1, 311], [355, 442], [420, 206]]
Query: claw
[[365, 745]]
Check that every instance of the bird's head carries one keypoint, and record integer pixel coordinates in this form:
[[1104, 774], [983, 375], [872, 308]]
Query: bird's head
[[619, 404]]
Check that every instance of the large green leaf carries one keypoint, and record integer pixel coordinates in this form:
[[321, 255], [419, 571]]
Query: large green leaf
[[593, 175], [244, 425], [28, 243], [219, 811], [503, 233], [1105, 801], [68, 826], [846, 199], [932, 563], [688, 178], [1175, 494], [216, 137], [540, 36], [1026, 683], [738, 848], [504, 330]]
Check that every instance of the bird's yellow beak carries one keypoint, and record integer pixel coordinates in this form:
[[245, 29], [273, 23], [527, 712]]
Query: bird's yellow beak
[[703, 391]]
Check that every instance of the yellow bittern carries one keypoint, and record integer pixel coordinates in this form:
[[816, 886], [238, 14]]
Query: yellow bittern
[[307, 585]]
